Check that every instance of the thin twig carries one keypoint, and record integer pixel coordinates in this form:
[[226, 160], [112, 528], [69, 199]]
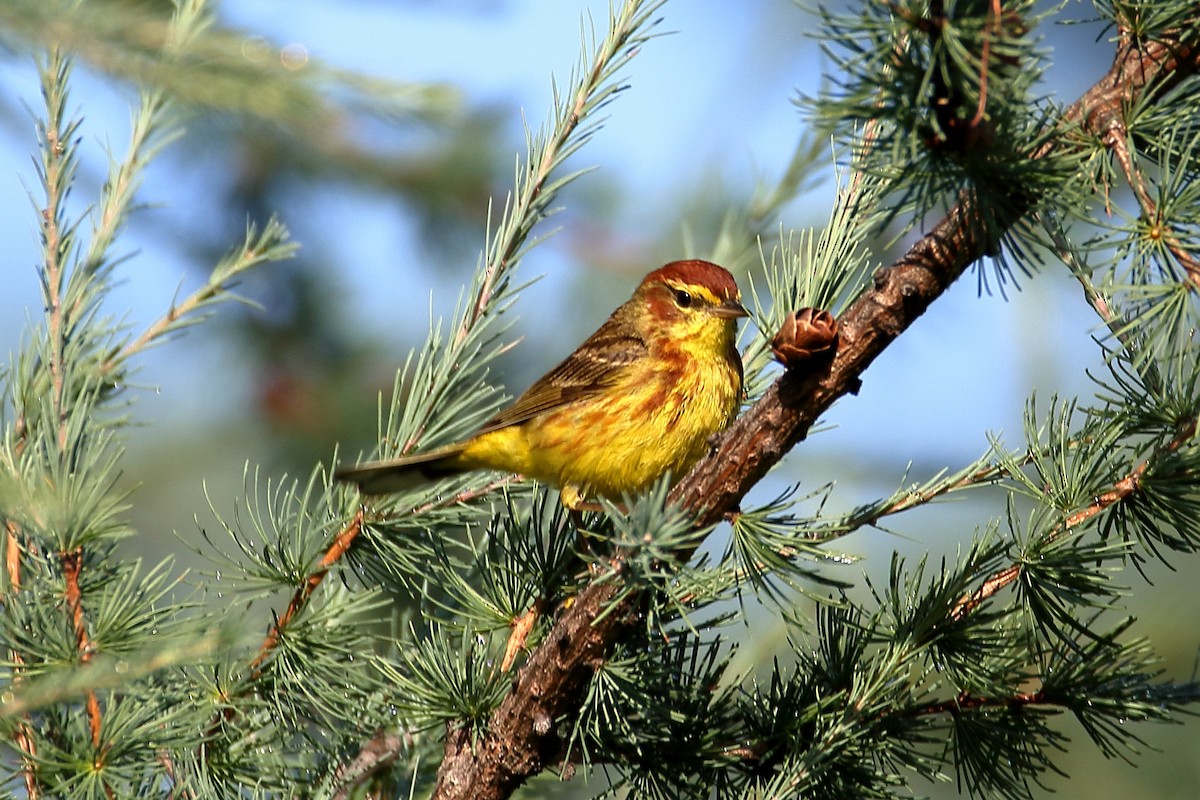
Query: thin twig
[[972, 702], [12, 556], [1126, 487], [72, 563], [465, 496], [915, 498], [965, 701], [1066, 253], [1115, 138], [993, 26], [253, 253], [381, 750], [333, 554], [23, 737], [158, 328], [905, 502], [23, 732], [55, 151], [561, 135], [341, 544]]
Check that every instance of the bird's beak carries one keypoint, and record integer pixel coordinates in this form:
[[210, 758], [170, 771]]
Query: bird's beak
[[730, 309]]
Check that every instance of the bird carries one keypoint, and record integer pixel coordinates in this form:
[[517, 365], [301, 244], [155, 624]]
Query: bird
[[640, 398]]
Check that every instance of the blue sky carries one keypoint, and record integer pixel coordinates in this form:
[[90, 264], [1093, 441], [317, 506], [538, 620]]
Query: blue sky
[[710, 108], [687, 117]]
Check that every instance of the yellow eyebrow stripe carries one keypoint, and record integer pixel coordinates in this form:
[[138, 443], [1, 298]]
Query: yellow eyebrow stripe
[[701, 292]]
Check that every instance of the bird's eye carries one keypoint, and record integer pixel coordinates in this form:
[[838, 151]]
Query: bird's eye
[[682, 299]]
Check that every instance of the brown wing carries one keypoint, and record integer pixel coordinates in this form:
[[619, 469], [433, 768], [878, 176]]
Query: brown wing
[[596, 365]]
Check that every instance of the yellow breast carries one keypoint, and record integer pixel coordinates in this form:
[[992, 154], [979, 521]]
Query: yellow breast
[[657, 418]]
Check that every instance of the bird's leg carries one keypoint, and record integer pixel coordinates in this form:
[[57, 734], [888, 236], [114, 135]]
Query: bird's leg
[[572, 498]]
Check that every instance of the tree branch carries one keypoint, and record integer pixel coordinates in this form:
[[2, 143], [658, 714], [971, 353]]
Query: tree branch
[[23, 731], [532, 194], [380, 751], [341, 543], [1123, 489], [972, 702], [521, 738], [72, 564]]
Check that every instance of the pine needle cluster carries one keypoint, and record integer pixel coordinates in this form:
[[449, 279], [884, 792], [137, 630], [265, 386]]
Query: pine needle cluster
[[459, 638]]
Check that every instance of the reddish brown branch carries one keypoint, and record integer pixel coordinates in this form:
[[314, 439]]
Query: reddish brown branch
[[993, 584], [521, 738], [1123, 489], [380, 751], [465, 496], [1115, 139], [23, 731], [522, 626], [971, 702], [992, 28], [341, 543], [337, 549], [23, 737], [72, 562]]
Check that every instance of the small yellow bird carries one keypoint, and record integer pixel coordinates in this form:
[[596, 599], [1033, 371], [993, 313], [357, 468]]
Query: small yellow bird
[[640, 398]]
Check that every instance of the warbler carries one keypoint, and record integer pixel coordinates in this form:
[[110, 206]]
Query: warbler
[[641, 397]]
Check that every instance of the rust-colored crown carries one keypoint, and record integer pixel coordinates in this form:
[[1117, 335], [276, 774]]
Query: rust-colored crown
[[695, 272]]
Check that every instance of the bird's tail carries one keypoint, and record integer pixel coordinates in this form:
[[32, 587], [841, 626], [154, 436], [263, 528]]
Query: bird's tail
[[398, 474]]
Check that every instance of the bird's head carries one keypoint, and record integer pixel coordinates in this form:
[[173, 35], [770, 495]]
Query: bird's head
[[693, 303]]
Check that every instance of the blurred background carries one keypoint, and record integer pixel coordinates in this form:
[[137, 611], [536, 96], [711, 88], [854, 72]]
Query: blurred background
[[388, 198]]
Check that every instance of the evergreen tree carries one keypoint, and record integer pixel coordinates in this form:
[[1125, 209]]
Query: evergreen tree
[[525, 640]]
